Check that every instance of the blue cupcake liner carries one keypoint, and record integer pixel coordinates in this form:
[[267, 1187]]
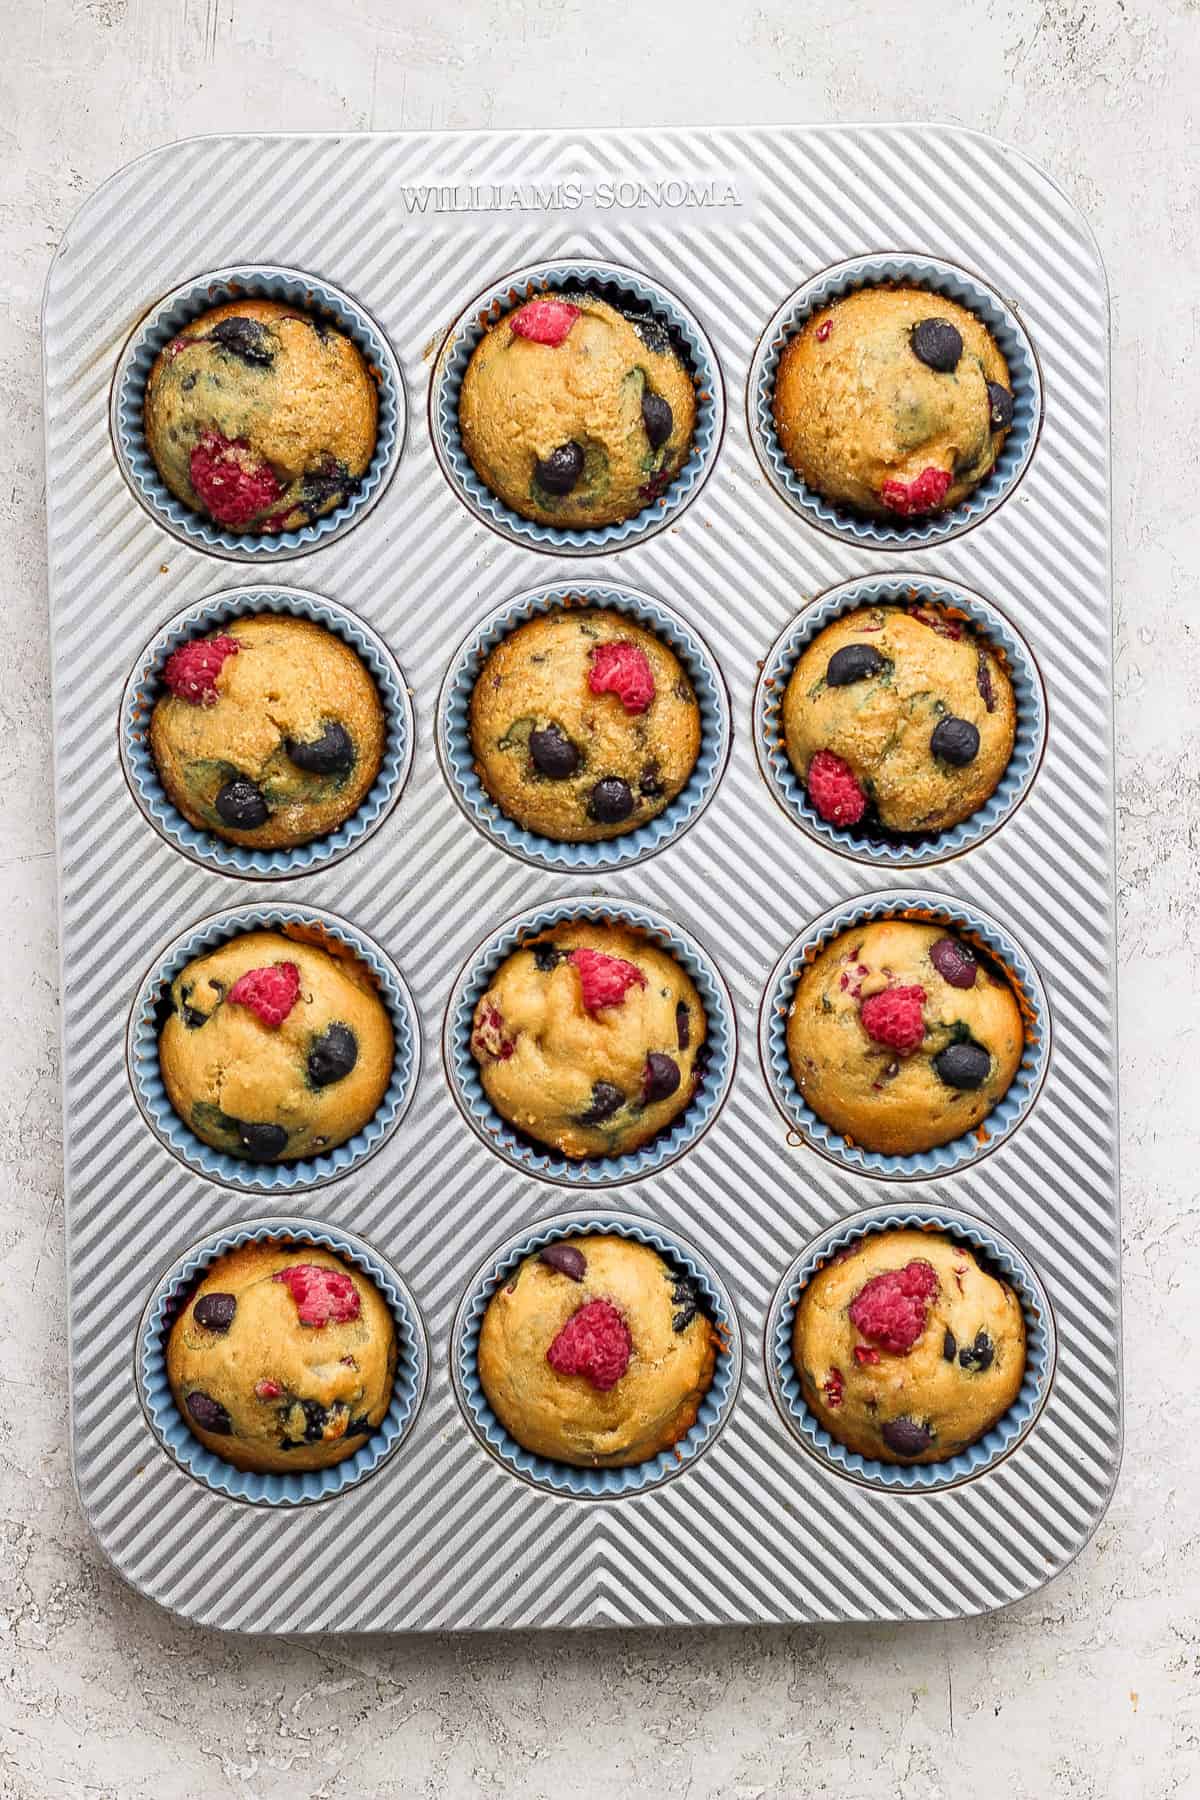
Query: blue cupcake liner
[[538, 1159], [141, 1053], [458, 758], [174, 1434], [895, 851], [566, 1478], [939, 278], [258, 281], [913, 1478], [143, 689], [621, 287], [927, 908]]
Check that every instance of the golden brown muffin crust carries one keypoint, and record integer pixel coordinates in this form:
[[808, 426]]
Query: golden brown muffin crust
[[536, 680], [290, 1392], [933, 668], [855, 408], [870, 1093], [960, 1376], [290, 680], [565, 1417], [551, 1067], [225, 1068], [521, 400]]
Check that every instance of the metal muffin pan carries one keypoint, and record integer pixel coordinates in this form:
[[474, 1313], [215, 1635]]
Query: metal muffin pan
[[756, 1529]]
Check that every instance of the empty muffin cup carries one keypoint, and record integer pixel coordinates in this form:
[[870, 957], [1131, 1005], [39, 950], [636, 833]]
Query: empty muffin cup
[[458, 756], [166, 319], [869, 841], [999, 1257], [583, 1483], [641, 299], [171, 1428], [308, 924], [145, 685], [896, 269], [978, 931], [534, 1158]]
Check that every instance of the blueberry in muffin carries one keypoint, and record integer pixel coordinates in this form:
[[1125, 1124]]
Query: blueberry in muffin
[[900, 714], [261, 416], [590, 1038], [283, 1358], [893, 401], [596, 1352], [275, 1049], [584, 725], [268, 732], [574, 413], [907, 1350], [902, 1036]]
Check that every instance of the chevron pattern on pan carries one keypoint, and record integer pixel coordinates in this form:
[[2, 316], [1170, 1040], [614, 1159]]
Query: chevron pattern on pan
[[443, 1537]]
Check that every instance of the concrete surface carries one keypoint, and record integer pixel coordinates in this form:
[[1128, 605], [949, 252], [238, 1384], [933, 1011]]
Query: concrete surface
[[1091, 1689]]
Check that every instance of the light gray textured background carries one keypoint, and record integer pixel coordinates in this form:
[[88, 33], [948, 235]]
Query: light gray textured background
[[1090, 1689]]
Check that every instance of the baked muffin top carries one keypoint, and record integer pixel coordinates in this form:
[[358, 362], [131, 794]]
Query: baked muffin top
[[274, 1048], [268, 732], [900, 713], [262, 416], [574, 414], [907, 1350], [893, 400], [283, 1358], [584, 724], [902, 1036], [589, 1038], [596, 1352]]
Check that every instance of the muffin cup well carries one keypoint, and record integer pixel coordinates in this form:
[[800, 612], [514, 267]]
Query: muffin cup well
[[257, 281], [539, 1159], [624, 289], [874, 844], [913, 1478], [924, 908], [171, 1429], [205, 847], [566, 1478], [458, 757], [141, 1051], [896, 268]]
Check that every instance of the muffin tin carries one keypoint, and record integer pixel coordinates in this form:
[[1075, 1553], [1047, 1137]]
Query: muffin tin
[[443, 1534]]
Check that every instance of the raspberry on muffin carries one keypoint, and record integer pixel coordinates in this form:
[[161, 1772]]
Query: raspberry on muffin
[[269, 733], [907, 1349], [275, 1049], [901, 1036], [596, 1352], [590, 1039], [584, 725], [574, 413], [261, 416], [283, 1358], [893, 401], [900, 714]]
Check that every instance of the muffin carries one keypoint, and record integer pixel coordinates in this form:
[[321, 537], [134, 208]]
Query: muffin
[[275, 1049], [575, 414], [283, 1358], [596, 1352], [583, 724], [261, 416], [908, 1351], [893, 400], [901, 713], [589, 1039], [268, 732], [901, 1036]]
